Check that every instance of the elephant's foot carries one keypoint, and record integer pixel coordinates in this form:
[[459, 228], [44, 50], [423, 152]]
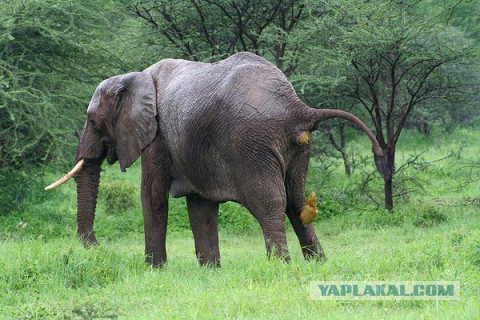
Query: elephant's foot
[[155, 260], [278, 249], [314, 252], [309, 212], [284, 257], [88, 239], [209, 260]]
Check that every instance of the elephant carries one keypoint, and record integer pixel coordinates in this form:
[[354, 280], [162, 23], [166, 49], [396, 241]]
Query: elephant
[[233, 130]]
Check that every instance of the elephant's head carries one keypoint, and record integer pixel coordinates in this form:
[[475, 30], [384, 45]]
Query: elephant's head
[[121, 122]]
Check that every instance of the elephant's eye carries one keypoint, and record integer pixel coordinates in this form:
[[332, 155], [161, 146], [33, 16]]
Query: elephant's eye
[[92, 122]]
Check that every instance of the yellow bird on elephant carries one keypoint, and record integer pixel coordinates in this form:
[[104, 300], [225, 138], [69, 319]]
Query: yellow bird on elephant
[[309, 212]]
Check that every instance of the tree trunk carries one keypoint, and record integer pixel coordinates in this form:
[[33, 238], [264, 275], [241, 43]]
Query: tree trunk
[[388, 183], [346, 163], [386, 167], [87, 192], [342, 147]]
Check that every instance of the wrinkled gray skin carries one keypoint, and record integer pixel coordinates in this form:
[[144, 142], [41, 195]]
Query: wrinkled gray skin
[[227, 131]]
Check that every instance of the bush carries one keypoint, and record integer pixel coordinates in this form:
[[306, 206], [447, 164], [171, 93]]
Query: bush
[[330, 204], [18, 186], [382, 218], [472, 248], [119, 197], [427, 216], [422, 216], [234, 217], [178, 215]]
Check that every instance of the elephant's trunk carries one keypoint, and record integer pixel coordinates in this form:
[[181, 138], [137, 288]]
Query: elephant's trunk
[[87, 192], [324, 114]]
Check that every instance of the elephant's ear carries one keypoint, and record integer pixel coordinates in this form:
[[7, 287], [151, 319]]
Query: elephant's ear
[[136, 125]]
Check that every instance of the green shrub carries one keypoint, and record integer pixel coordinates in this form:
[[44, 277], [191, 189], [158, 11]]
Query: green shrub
[[422, 216], [332, 203], [427, 215], [234, 217], [381, 218], [457, 237], [18, 188], [119, 197], [178, 215], [472, 248]]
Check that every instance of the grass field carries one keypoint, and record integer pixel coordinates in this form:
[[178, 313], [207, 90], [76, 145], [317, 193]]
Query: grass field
[[433, 235]]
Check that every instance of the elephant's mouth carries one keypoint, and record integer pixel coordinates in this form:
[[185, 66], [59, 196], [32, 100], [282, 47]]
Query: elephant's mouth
[[111, 152]]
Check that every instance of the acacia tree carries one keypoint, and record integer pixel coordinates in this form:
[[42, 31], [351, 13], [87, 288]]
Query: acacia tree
[[213, 29], [52, 53], [391, 57]]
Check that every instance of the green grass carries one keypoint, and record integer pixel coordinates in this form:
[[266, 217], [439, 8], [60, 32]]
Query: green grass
[[58, 278], [434, 235]]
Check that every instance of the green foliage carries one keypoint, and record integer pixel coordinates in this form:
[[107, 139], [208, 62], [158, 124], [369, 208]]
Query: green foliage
[[58, 278], [378, 219], [331, 204], [210, 30], [119, 197], [418, 216], [388, 59], [52, 54], [472, 248], [428, 216], [466, 16], [178, 216], [19, 188], [232, 217], [235, 218]]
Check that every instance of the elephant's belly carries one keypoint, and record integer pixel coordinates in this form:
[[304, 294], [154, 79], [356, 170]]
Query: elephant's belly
[[180, 187], [212, 190]]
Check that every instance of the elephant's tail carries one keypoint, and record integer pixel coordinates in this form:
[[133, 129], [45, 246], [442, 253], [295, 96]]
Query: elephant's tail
[[324, 114]]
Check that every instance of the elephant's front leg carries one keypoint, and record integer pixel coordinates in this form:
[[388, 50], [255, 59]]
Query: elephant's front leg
[[155, 188], [203, 216]]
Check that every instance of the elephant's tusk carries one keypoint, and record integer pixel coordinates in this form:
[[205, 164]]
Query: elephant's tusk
[[68, 176]]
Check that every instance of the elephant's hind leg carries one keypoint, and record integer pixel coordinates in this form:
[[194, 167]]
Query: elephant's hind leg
[[268, 207], [311, 247], [273, 227], [295, 187], [203, 216]]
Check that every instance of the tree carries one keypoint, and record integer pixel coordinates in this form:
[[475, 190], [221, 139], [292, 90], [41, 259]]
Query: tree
[[214, 29], [466, 16], [341, 147], [52, 53], [391, 57]]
